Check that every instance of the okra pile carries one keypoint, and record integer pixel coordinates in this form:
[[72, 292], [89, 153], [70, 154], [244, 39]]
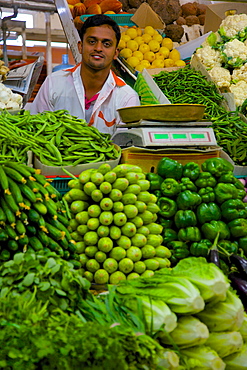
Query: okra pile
[[201, 209], [32, 214]]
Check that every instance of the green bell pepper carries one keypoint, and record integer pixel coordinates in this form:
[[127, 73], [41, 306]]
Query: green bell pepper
[[191, 170], [227, 247], [165, 222], [201, 248], [187, 184], [157, 193], [168, 167], [205, 179], [238, 227], [206, 212], [169, 235], [189, 234], [227, 177], [238, 184], [168, 207], [241, 193], [188, 199], [179, 249], [207, 194], [216, 166], [155, 181], [225, 192], [170, 187], [242, 243], [185, 218], [212, 228], [233, 208]]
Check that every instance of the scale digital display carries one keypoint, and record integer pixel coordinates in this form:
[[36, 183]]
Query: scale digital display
[[157, 137]]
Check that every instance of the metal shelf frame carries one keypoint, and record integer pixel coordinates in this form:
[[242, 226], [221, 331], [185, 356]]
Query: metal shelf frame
[[49, 7]]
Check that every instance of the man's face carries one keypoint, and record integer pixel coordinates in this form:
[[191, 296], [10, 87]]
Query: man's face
[[98, 47]]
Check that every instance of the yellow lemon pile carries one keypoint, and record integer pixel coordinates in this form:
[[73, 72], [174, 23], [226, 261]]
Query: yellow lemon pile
[[147, 49]]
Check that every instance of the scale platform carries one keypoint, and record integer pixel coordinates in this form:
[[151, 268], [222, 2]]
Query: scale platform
[[159, 135]]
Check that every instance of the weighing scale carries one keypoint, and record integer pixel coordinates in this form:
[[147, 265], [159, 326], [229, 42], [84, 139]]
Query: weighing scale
[[165, 134]]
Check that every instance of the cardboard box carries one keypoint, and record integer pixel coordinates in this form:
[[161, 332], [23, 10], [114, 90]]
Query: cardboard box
[[148, 159], [145, 16], [238, 170], [74, 170], [215, 13]]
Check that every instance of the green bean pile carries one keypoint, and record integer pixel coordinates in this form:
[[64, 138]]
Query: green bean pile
[[188, 86], [56, 138]]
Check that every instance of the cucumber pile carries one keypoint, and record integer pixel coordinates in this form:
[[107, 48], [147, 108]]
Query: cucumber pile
[[113, 223], [32, 214]]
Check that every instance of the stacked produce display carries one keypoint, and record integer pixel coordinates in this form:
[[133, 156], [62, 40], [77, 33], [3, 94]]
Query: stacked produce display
[[224, 54], [113, 221], [148, 49]]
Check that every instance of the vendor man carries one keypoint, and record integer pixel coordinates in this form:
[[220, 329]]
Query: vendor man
[[90, 90]]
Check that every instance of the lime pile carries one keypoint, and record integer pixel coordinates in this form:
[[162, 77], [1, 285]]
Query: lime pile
[[113, 223]]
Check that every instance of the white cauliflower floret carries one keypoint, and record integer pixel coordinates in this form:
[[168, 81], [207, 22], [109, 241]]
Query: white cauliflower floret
[[234, 24], [12, 105], [239, 91], [221, 76], [235, 49], [240, 74], [209, 57]]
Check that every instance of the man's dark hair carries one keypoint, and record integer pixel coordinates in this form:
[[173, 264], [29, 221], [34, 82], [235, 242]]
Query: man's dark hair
[[100, 20]]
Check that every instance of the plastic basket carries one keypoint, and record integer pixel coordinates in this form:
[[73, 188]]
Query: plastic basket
[[120, 19], [60, 183]]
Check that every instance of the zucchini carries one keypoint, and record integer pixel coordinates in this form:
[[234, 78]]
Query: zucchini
[[20, 168], [72, 247], [24, 218], [40, 178], [23, 241], [42, 190], [3, 235], [13, 245], [15, 175], [4, 255], [43, 237], [26, 204], [35, 243], [15, 191], [63, 220], [4, 180], [20, 228], [66, 254], [9, 199], [64, 243], [50, 208], [31, 230], [40, 207], [54, 232], [10, 216], [53, 245], [11, 232], [33, 185], [28, 193], [60, 227], [2, 217], [33, 216]]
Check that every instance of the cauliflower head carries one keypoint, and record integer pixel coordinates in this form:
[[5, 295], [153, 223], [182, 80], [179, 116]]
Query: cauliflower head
[[221, 76], [239, 91], [240, 74], [208, 56], [233, 26], [235, 53]]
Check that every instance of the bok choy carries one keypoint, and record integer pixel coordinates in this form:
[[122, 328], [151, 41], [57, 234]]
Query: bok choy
[[238, 360], [225, 343], [202, 358], [189, 332]]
